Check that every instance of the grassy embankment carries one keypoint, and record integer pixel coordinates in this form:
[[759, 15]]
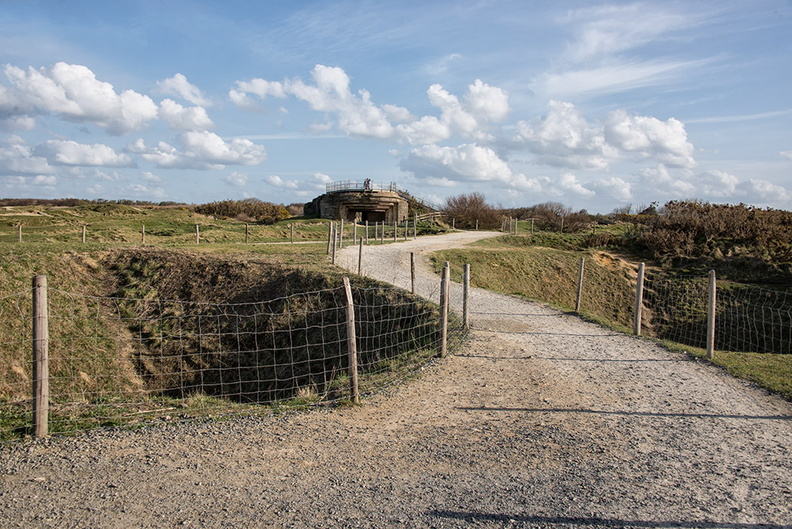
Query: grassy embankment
[[108, 384], [544, 268]]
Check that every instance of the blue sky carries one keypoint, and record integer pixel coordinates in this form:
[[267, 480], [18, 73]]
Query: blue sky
[[592, 104]]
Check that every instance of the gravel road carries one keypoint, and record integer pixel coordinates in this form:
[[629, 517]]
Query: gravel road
[[543, 421]]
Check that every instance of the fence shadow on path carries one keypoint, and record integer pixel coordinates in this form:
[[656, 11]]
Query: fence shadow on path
[[595, 521], [631, 413]]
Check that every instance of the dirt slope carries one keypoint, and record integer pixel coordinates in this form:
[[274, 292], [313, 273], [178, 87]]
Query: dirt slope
[[545, 421]]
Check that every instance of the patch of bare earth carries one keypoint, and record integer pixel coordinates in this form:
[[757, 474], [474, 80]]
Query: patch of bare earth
[[543, 420]]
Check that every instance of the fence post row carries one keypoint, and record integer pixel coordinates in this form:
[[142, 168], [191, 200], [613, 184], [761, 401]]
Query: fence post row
[[351, 342], [40, 357]]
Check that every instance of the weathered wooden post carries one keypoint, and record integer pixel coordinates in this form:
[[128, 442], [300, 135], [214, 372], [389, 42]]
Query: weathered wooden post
[[395, 230], [351, 342], [333, 253], [354, 233], [579, 285], [197, 234], [143, 234], [466, 295], [247, 233], [367, 233], [415, 227], [83, 234], [712, 299], [412, 272], [40, 357], [476, 224], [444, 290], [341, 235], [638, 311], [382, 233], [292, 233], [329, 236], [360, 257]]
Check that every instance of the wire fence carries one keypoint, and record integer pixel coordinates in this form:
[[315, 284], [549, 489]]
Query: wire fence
[[115, 360], [747, 318]]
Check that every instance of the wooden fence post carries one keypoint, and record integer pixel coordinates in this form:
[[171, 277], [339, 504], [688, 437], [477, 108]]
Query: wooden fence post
[[415, 227], [351, 342], [292, 233], [19, 233], [40, 357], [197, 234], [341, 235], [444, 289], [412, 272], [367, 234], [143, 234], [329, 236], [333, 251], [395, 230], [360, 257], [711, 315], [579, 285], [247, 233], [354, 233], [638, 311], [466, 295], [83, 234]]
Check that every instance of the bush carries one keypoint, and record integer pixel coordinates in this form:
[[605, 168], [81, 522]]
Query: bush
[[467, 210], [251, 208]]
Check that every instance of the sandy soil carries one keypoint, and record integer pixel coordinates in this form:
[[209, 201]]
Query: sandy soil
[[543, 421]]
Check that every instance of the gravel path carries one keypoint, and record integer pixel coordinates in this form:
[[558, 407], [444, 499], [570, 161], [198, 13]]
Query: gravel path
[[543, 421]]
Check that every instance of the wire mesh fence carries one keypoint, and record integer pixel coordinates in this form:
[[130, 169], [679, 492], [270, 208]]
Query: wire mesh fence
[[747, 318], [115, 360]]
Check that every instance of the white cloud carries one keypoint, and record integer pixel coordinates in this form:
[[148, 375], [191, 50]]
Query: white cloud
[[181, 118], [144, 192], [614, 187], [277, 181], [73, 93], [146, 176], [665, 141], [718, 184], [17, 158], [786, 154], [236, 179], [179, 86], [201, 150], [563, 138], [58, 152], [468, 162], [569, 183], [764, 191], [661, 182]]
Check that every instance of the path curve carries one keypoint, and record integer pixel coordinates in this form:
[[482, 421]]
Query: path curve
[[543, 421]]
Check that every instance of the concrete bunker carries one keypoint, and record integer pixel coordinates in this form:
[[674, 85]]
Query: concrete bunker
[[362, 201]]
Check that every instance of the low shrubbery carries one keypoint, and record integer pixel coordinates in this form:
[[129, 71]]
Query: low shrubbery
[[250, 209]]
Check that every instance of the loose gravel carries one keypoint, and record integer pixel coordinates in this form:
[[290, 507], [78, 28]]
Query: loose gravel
[[543, 420]]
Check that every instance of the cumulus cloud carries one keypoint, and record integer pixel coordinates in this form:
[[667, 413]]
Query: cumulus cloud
[[236, 179], [73, 93], [764, 191], [147, 176], [564, 138], [181, 118], [17, 158], [357, 115], [664, 141], [200, 150], [468, 162], [786, 154], [277, 181], [718, 184], [179, 86], [58, 152]]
